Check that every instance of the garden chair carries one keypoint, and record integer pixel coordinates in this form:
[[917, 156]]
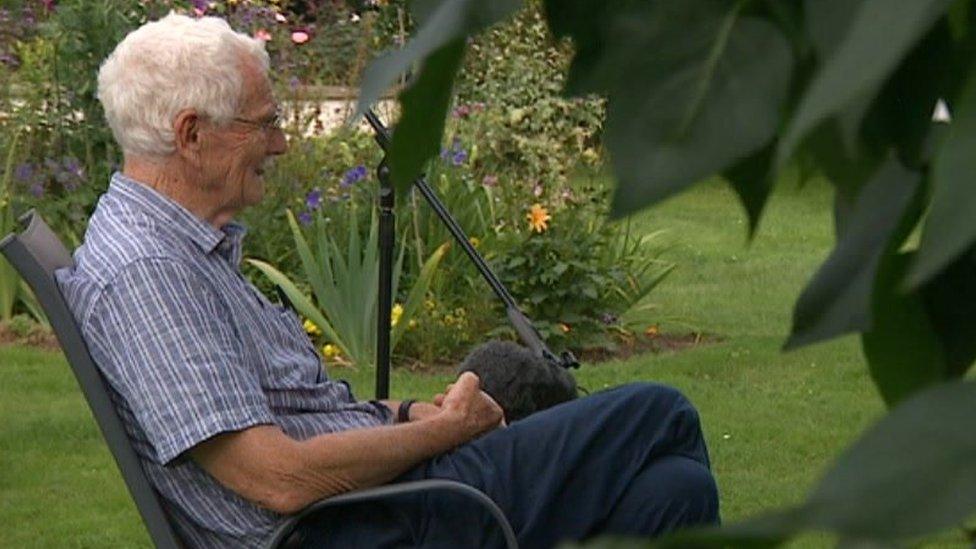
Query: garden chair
[[36, 253]]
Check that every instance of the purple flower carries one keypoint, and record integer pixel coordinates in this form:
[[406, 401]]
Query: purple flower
[[293, 83], [9, 60], [353, 176], [462, 111], [37, 189], [459, 157], [305, 218], [456, 154], [490, 180], [313, 200], [72, 166], [24, 172], [201, 5], [608, 318]]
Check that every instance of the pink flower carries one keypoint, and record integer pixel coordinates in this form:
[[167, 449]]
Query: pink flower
[[299, 37], [262, 35], [199, 12]]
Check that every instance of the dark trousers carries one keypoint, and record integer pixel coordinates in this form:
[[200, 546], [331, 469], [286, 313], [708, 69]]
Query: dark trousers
[[627, 461]]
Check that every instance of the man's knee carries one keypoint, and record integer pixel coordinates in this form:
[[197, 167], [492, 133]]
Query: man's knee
[[701, 493], [690, 490], [658, 400]]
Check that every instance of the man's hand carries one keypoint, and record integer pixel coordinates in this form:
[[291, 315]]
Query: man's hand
[[469, 408]]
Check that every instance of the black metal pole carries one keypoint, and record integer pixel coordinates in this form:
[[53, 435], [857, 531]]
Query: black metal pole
[[387, 230], [521, 323]]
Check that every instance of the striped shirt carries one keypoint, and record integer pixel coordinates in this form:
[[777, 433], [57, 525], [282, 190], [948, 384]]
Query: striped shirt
[[190, 349]]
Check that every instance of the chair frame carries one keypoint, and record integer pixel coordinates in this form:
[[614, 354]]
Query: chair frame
[[36, 253]]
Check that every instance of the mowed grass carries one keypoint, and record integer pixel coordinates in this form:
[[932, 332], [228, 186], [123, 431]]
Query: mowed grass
[[774, 421]]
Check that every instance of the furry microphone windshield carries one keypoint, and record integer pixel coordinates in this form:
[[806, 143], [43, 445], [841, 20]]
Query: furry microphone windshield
[[521, 382]]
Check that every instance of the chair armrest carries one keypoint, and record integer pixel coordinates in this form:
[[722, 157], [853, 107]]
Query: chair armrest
[[432, 485]]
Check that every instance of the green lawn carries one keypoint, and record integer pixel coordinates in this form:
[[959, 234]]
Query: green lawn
[[773, 421]]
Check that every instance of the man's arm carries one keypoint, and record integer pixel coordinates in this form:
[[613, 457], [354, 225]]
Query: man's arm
[[264, 465]]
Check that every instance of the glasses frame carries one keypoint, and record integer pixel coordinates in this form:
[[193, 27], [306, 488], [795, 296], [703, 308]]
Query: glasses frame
[[268, 126]]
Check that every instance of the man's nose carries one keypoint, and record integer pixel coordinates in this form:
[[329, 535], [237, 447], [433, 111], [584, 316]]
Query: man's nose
[[277, 144]]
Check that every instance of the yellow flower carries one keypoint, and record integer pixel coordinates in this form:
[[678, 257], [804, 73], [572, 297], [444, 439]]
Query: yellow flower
[[474, 241], [395, 314], [412, 324], [311, 329], [331, 351], [652, 331], [538, 218], [429, 304], [564, 328]]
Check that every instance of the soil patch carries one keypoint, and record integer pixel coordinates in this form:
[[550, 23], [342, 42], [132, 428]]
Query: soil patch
[[625, 348], [34, 336]]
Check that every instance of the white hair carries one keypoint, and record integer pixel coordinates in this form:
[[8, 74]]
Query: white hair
[[169, 65]]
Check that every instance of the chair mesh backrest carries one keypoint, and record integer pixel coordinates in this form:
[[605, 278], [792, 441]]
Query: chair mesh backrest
[[36, 253]]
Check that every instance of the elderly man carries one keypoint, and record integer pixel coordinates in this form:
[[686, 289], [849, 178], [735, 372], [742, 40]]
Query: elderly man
[[226, 400]]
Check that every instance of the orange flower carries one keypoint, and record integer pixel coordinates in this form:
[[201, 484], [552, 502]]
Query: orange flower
[[538, 218], [652, 331]]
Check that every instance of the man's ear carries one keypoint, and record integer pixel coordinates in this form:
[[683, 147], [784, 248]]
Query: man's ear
[[187, 134]]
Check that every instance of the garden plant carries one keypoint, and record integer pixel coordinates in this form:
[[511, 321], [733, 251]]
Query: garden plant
[[744, 89]]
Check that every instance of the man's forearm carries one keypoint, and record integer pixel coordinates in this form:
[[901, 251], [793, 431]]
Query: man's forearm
[[339, 462], [266, 466]]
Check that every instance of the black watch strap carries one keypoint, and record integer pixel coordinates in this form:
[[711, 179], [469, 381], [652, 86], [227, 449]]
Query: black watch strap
[[403, 413]]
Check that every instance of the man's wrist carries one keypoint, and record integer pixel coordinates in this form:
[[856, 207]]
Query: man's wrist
[[403, 411]]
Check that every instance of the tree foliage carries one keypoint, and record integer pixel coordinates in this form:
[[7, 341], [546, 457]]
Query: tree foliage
[[743, 88]]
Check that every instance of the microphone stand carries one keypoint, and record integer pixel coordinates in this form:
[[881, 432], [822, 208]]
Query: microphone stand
[[387, 224]]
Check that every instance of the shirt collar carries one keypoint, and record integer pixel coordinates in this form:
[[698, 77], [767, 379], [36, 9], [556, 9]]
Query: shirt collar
[[227, 241]]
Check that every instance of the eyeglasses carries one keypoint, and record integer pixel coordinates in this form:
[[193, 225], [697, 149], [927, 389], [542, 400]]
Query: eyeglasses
[[268, 125]]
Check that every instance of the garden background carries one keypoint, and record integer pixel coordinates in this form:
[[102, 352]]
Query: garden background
[[524, 171]]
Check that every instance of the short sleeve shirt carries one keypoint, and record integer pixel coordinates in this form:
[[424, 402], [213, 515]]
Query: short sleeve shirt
[[190, 349]]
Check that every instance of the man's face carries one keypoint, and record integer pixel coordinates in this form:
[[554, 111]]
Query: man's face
[[233, 159]]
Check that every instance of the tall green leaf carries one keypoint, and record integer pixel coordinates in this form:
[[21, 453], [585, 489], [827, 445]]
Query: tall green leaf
[[418, 292], [419, 130], [9, 279], [877, 39], [438, 46], [302, 304]]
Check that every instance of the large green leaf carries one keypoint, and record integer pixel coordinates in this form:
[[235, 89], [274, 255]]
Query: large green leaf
[[950, 301], [710, 94], [752, 180], [901, 115], [951, 224], [902, 348], [838, 298], [878, 37]]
